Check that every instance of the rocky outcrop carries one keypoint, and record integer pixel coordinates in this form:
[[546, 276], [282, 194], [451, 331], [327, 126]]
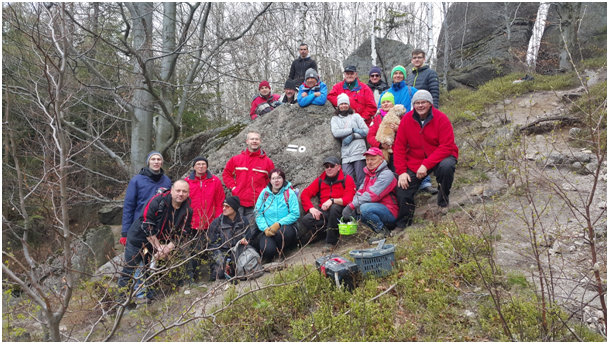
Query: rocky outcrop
[[111, 214], [390, 53]]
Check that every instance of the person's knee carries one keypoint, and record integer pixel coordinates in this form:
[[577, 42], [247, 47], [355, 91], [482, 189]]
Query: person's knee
[[447, 166]]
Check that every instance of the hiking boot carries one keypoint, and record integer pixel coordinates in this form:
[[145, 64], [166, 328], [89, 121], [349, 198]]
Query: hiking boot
[[430, 190], [383, 234]]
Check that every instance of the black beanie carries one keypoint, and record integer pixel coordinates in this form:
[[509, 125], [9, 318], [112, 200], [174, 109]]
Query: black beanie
[[234, 202], [199, 158], [290, 84]]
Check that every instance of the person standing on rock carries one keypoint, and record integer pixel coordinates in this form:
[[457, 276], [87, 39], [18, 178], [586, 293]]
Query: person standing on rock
[[376, 83], [424, 143], [264, 102], [141, 188], [289, 92], [424, 78], [247, 174], [312, 91], [375, 201], [301, 65], [335, 189], [360, 95], [350, 128]]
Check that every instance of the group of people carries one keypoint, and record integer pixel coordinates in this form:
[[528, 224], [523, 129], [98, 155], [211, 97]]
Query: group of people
[[263, 210]]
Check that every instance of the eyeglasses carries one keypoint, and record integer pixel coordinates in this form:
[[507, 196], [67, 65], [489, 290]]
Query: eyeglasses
[[375, 75], [329, 165], [277, 178]]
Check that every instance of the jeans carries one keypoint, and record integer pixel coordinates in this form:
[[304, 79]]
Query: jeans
[[425, 183], [376, 215], [356, 170], [133, 258], [328, 221]]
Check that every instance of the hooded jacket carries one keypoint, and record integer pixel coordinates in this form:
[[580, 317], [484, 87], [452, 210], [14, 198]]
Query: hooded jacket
[[247, 174], [342, 126], [361, 98], [427, 144], [426, 78], [311, 98], [206, 198], [343, 186], [299, 67], [402, 94], [378, 187], [140, 189], [271, 208]]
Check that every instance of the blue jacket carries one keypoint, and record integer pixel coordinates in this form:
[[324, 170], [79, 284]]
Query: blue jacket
[[310, 98], [271, 208], [140, 190], [402, 94]]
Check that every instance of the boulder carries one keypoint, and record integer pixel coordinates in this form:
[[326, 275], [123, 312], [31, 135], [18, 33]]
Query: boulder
[[97, 248], [111, 214], [389, 53]]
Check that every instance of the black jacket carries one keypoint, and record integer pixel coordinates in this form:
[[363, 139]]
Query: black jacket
[[381, 86], [425, 78], [299, 68], [224, 233]]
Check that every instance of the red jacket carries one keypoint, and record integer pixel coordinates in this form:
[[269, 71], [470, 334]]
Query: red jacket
[[361, 99], [379, 187], [428, 145], [247, 174], [343, 187], [206, 198], [374, 128], [260, 100]]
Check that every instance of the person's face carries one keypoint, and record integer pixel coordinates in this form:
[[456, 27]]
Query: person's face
[[343, 107], [398, 76], [422, 107], [331, 169], [303, 50], [253, 142], [386, 105], [155, 163], [276, 181], [375, 78], [289, 92], [373, 161], [200, 168], [418, 60], [350, 77], [310, 82], [227, 210], [180, 191], [265, 91]]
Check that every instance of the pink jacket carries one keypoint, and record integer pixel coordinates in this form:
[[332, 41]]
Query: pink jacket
[[378, 187]]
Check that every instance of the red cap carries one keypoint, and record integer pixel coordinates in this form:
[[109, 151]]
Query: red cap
[[264, 83], [374, 151]]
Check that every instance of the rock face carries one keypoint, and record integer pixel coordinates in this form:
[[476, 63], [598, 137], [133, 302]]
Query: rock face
[[390, 53], [111, 214], [479, 49], [296, 139]]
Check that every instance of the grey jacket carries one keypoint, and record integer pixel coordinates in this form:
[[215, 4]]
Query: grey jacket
[[425, 78], [342, 126]]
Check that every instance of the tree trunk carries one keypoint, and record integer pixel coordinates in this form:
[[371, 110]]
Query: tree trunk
[[163, 128], [535, 40]]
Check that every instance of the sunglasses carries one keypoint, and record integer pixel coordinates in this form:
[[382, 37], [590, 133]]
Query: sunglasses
[[329, 165], [225, 205], [375, 75]]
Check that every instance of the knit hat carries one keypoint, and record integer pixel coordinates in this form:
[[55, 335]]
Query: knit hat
[[266, 83], [342, 98], [374, 151], [388, 96], [233, 202], [350, 69], [151, 154], [197, 159], [290, 85], [375, 70], [311, 73], [398, 68], [422, 95]]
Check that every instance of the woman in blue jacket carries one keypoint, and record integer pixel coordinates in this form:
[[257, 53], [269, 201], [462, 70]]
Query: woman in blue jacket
[[312, 90], [277, 211]]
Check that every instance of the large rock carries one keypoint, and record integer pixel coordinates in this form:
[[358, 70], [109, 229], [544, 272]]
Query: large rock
[[97, 249], [390, 53], [111, 214], [305, 129]]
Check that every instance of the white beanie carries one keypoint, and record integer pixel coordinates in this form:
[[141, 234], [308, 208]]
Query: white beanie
[[342, 99], [422, 95]]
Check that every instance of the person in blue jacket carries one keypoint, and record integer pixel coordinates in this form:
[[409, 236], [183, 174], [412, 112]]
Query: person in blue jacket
[[277, 211], [402, 93], [140, 190], [312, 90]]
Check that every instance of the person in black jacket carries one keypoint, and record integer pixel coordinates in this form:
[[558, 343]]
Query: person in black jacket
[[165, 225], [424, 78], [376, 83], [301, 64]]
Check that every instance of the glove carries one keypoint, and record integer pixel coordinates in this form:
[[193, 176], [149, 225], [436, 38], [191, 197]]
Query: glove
[[347, 140], [123, 241], [359, 131], [348, 213]]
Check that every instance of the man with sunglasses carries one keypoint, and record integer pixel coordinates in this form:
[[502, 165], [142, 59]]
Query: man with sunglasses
[[376, 83], [335, 190], [424, 78]]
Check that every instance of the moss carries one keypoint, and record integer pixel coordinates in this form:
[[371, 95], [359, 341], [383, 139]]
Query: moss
[[232, 131]]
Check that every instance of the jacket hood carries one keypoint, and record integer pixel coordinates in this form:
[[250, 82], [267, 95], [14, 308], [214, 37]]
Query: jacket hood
[[146, 171], [399, 85]]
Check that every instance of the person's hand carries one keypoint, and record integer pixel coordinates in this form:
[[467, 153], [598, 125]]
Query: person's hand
[[268, 232], [394, 127], [123, 241], [243, 242], [403, 180], [348, 213], [304, 94], [347, 140], [317, 94], [316, 213], [327, 204], [422, 172]]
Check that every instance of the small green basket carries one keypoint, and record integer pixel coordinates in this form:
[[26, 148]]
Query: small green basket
[[347, 228]]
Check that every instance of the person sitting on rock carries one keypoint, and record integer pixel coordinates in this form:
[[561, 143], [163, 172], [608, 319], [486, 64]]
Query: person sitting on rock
[[312, 91], [375, 201], [376, 83], [277, 211], [289, 92], [264, 102], [402, 93], [335, 190], [224, 233], [351, 129], [360, 95]]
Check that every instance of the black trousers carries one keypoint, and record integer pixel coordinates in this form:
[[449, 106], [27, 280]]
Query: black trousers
[[327, 222], [445, 174]]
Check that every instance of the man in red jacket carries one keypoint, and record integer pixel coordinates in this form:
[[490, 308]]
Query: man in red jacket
[[424, 143], [247, 174], [335, 190], [360, 95]]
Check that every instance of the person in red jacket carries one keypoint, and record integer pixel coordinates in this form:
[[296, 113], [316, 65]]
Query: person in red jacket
[[335, 190], [247, 174], [360, 95], [206, 194], [265, 102], [424, 143]]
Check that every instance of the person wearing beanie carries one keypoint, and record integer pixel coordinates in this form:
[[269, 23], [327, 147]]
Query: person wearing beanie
[[313, 90], [360, 95], [387, 102], [301, 65], [376, 83], [225, 232], [264, 102], [402, 93], [423, 77], [289, 92], [350, 128], [424, 144], [206, 194], [141, 188]]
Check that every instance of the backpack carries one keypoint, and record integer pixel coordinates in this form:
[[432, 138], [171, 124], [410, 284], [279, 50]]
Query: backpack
[[286, 196], [243, 262]]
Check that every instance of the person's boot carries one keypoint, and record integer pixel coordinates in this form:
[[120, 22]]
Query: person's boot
[[430, 189]]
